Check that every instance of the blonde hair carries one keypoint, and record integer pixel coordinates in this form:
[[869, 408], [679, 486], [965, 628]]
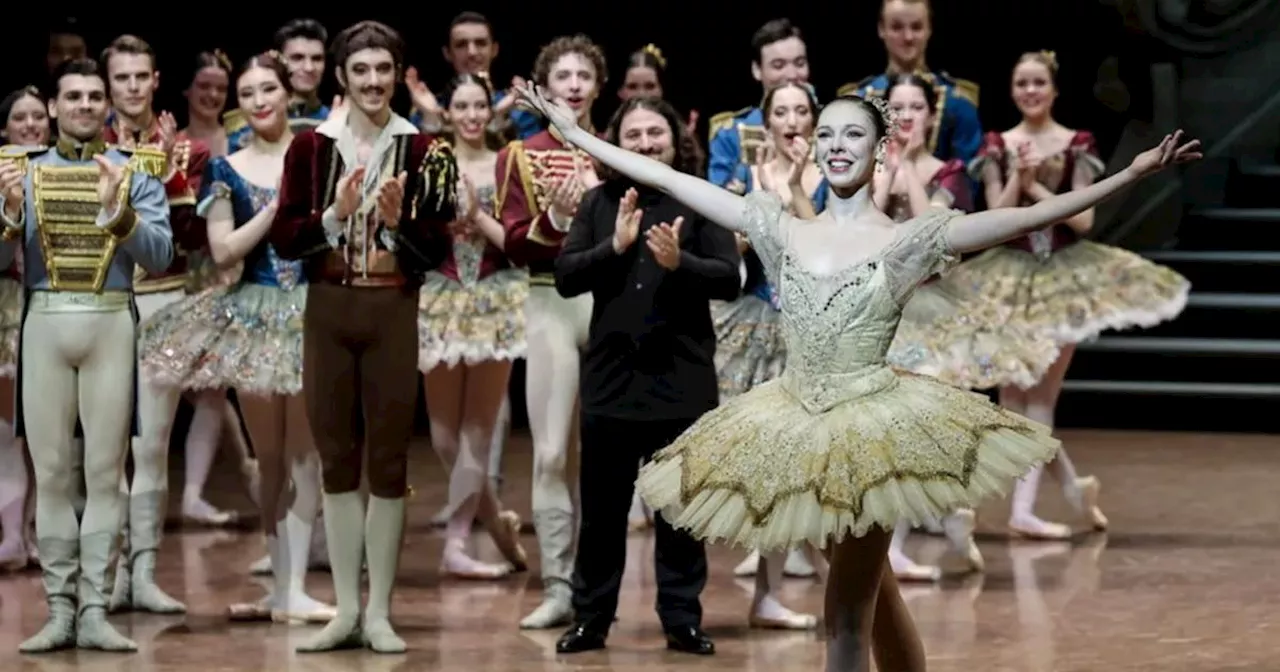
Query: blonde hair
[[1048, 59]]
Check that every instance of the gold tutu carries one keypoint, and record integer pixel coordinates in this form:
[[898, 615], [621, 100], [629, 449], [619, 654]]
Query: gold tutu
[[767, 470], [970, 347], [10, 325], [1073, 294], [470, 324]]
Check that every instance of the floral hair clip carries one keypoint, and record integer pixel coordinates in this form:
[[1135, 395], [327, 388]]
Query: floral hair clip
[[656, 53], [1051, 59], [274, 55], [890, 119]]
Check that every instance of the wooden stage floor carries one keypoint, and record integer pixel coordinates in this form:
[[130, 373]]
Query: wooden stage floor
[[1186, 580]]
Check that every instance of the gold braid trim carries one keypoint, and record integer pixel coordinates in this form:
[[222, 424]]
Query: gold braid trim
[[439, 175], [125, 222], [149, 160]]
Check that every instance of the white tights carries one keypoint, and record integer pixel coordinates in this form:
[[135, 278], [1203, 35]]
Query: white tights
[[463, 403], [557, 331], [1038, 404]]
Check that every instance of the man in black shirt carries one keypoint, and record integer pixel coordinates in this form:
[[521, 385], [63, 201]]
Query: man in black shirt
[[651, 265]]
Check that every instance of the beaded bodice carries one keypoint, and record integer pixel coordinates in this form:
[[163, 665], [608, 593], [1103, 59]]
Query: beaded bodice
[[468, 253], [838, 327]]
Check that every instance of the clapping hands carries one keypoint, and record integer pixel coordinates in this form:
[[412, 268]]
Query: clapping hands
[[664, 242]]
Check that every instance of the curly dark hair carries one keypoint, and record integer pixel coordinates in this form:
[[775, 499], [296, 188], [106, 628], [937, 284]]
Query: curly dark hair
[[367, 35], [688, 158], [576, 44]]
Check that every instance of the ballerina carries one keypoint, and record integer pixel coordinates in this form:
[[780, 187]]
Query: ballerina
[[841, 447], [1034, 283]]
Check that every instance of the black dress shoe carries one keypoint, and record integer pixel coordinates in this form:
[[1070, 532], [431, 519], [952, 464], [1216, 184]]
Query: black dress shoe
[[690, 639], [579, 638]]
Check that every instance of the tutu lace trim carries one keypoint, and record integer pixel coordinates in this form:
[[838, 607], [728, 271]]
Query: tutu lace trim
[[10, 325], [750, 349], [762, 472]]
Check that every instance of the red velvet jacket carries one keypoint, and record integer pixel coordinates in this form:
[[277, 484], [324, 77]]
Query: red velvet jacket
[[185, 175], [312, 167], [527, 172]]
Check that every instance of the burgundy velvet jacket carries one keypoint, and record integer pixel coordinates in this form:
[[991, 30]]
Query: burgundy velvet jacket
[[312, 167]]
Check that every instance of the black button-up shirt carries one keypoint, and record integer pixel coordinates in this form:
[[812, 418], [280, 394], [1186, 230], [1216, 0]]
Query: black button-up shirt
[[651, 349]]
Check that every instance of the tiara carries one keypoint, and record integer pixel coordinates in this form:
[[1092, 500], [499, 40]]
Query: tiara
[[656, 53], [221, 57], [887, 114]]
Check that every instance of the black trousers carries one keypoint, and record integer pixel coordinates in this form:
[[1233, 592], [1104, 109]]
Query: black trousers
[[612, 449]]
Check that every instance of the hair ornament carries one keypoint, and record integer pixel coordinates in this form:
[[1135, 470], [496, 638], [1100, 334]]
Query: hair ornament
[[221, 57], [656, 53], [890, 119], [274, 55], [1051, 59]]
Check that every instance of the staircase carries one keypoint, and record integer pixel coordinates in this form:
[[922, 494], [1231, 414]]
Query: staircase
[[1217, 367]]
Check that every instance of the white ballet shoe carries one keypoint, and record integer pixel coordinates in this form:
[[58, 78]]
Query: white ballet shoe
[[1089, 487], [1034, 529], [907, 570], [958, 528], [748, 566], [797, 565], [556, 609], [769, 614]]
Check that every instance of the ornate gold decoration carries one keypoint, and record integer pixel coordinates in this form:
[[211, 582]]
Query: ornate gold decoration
[[77, 252], [656, 53]]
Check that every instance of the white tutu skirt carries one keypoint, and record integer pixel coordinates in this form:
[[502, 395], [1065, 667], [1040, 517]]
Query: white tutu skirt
[[749, 345]]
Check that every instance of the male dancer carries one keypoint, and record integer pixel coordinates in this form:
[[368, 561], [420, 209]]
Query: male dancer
[[905, 28], [778, 56], [540, 182], [132, 80], [301, 43], [470, 48], [365, 199], [85, 214]]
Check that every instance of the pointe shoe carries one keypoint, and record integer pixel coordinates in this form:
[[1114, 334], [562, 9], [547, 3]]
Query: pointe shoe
[[1089, 488], [303, 610], [200, 512], [749, 566], [250, 612], [455, 563], [778, 617], [1034, 529], [510, 545], [958, 528], [797, 566], [907, 571]]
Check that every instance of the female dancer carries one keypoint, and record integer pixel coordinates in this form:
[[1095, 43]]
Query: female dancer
[[911, 182], [841, 447], [646, 68], [749, 347], [26, 123], [248, 336], [1036, 279], [206, 97], [471, 329]]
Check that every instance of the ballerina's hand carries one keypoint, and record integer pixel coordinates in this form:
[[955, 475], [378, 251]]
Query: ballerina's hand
[[798, 152], [1172, 150], [539, 100]]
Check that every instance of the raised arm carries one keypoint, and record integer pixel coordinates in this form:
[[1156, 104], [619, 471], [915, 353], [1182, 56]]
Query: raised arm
[[716, 204], [978, 231]]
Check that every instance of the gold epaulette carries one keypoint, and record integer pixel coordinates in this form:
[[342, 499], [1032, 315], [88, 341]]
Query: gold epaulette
[[147, 159], [233, 120], [723, 120], [965, 89], [515, 154], [18, 155]]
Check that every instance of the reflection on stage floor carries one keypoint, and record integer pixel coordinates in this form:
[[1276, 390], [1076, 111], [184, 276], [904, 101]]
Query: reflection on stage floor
[[1183, 581]]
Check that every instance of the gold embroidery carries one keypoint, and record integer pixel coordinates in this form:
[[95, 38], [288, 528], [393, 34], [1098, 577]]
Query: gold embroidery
[[151, 160], [77, 253]]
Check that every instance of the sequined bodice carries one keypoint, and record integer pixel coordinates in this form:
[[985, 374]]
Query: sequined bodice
[[468, 253], [262, 266], [838, 327]]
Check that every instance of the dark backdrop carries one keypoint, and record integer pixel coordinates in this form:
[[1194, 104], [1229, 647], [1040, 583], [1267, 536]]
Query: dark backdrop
[[708, 49]]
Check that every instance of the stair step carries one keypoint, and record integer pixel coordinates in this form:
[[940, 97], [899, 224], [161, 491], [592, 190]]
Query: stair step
[[1254, 185], [1223, 271], [1159, 405], [1218, 316], [1223, 227], [1177, 360]]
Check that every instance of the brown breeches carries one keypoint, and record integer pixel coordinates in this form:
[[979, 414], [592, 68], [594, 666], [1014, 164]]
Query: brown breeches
[[360, 380]]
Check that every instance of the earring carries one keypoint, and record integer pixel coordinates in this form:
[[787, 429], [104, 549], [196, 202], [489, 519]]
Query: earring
[[882, 150]]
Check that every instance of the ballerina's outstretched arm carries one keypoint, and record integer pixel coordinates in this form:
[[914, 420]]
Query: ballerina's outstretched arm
[[978, 231], [718, 205]]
